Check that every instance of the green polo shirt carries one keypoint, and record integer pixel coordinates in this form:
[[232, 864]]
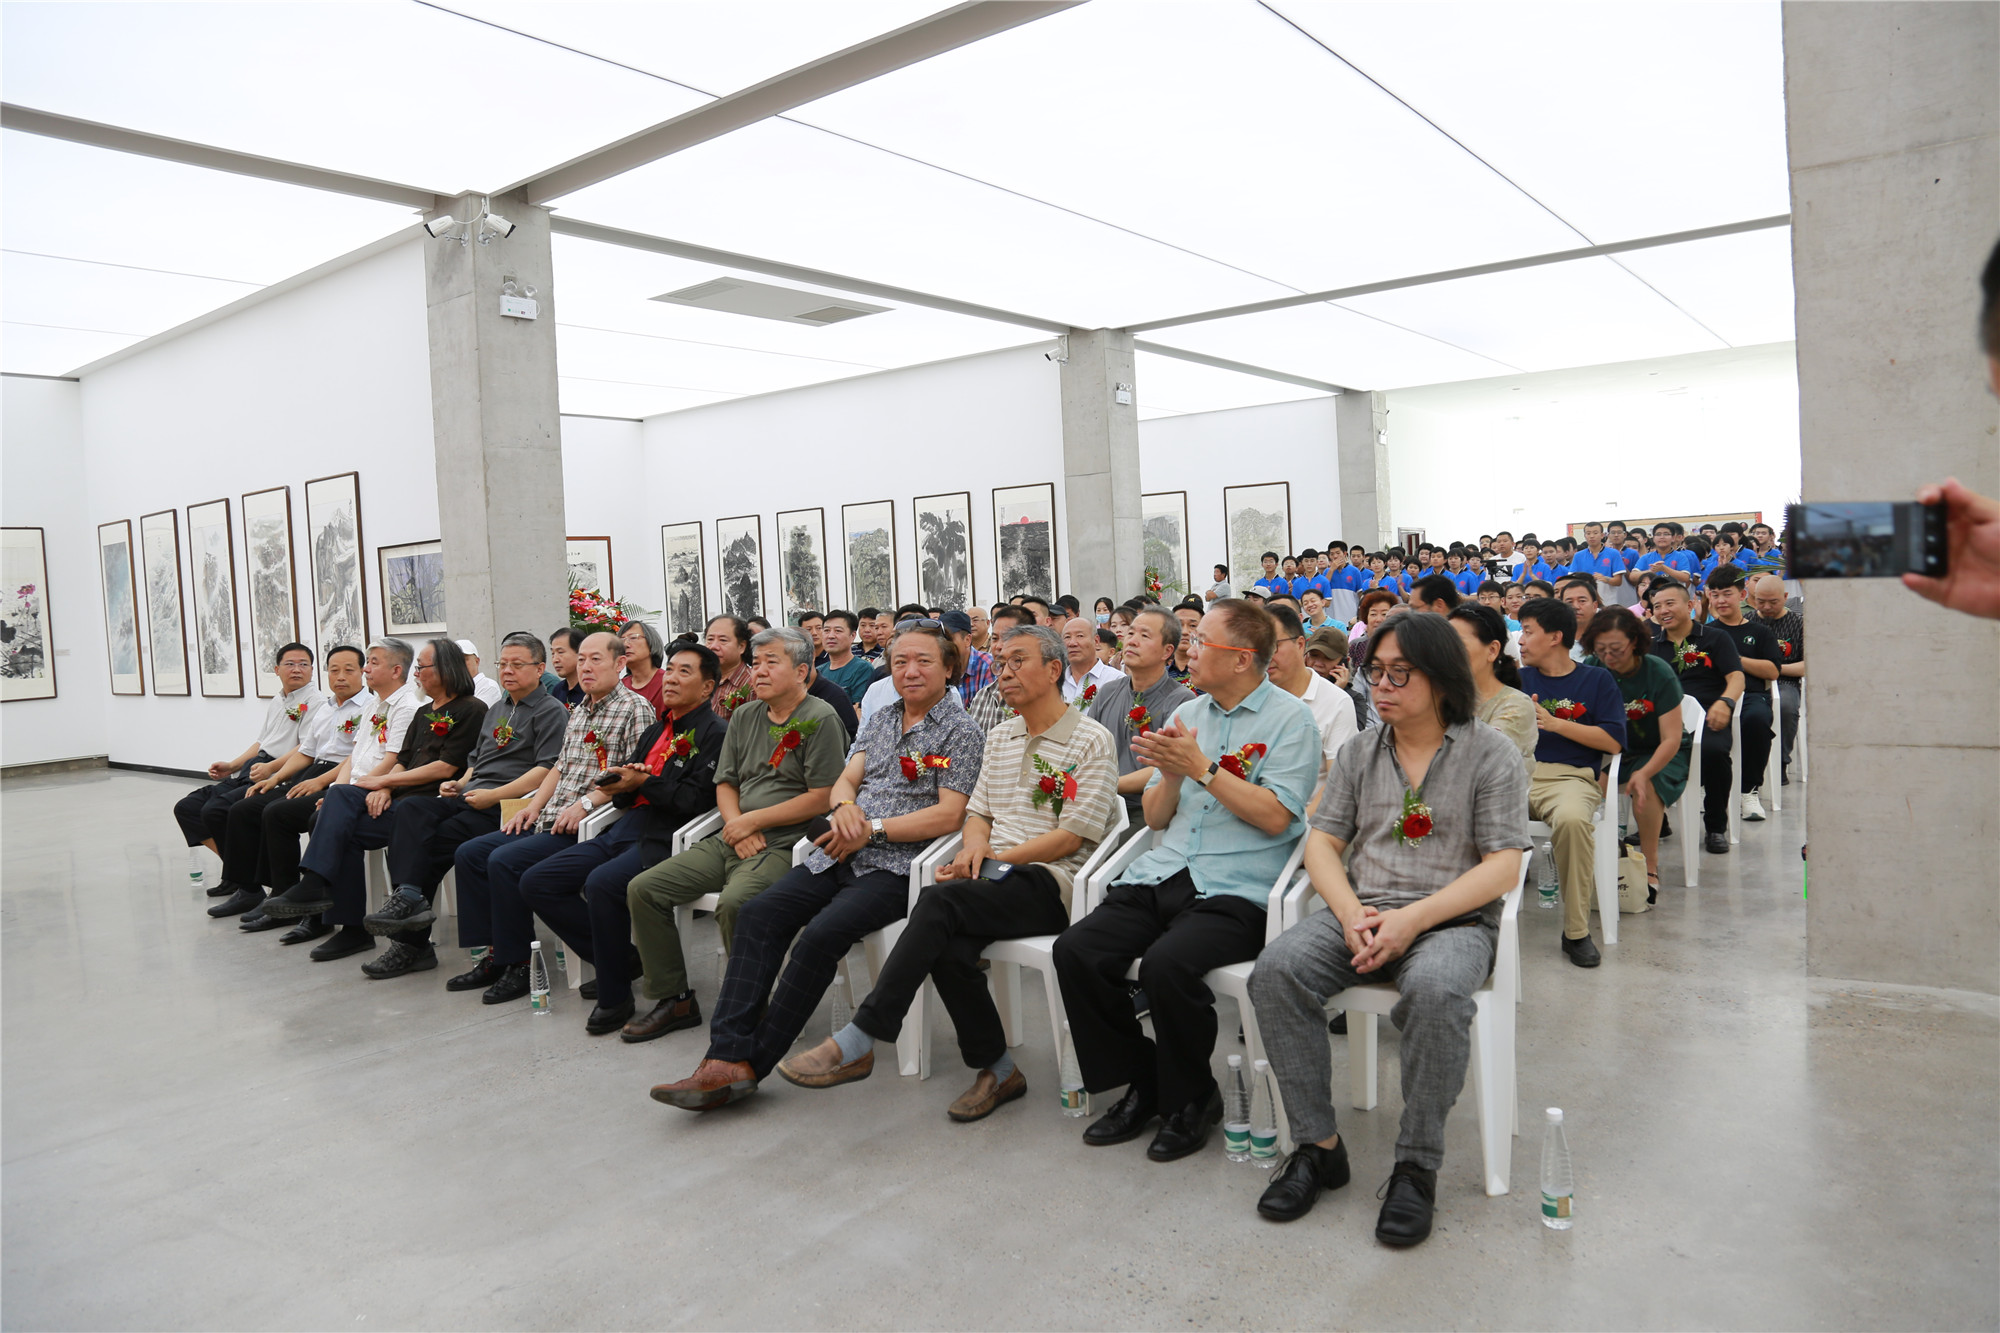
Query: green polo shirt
[[746, 759]]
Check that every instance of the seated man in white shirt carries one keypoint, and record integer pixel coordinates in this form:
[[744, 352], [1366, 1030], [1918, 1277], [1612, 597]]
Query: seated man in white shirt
[[484, 688], [1085, 674], [1332, 707]]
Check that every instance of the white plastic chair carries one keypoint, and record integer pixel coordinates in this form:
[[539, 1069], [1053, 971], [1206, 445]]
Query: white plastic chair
[[375, 873], [1494, 1076], [1774, 765], [1736, 770], [1604, 850], [1694, 721]]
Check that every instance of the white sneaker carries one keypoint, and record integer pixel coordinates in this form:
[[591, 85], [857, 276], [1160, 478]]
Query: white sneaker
[[1753, 809]]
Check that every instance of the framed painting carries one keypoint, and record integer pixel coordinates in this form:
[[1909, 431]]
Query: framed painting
[[160, 563], [868, 537], [1024, 540], [412, 589], [27, 651], [590, 564], [121, 607], [1256, 519], [686, 609], [267, 564], [1163, 528], [802, 563], [212, 569], [739, 553], [340, 585], [944, 550]]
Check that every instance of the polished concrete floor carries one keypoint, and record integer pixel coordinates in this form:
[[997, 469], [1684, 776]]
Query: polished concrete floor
[[205, 1130]]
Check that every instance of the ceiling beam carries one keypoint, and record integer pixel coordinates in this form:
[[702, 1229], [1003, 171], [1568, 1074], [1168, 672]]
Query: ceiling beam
[[52, 126], [1240, 367], [944, 31], [564, 225], [1477, 270]]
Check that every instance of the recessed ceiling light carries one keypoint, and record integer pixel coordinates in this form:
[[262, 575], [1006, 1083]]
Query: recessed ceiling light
[[793, 305]]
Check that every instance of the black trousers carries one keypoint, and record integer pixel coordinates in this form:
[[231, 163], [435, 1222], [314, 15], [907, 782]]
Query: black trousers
[[243, 842], [951, 925], [204, 812], [1177, 937], [284, 823], [1719, 781], [425, 840], [1757, 737]]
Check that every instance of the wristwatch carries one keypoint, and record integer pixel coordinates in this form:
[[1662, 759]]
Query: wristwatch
[[877, 837], [1214, 767]]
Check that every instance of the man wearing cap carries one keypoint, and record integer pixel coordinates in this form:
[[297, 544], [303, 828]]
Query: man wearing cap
[[1141, 700], [1326, 653], [484, 688]]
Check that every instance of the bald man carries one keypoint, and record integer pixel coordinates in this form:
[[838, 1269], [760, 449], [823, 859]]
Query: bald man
[[1767, 596], [1084, 674]]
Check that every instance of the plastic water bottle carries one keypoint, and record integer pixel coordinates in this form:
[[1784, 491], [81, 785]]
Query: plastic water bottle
[[194, 867], [1551, 890], [1558, 1182], [842, 1013], [538, 979], [721, 967], [1236, 1113], [562, 961], [1075, 1098], [1263, 1118]]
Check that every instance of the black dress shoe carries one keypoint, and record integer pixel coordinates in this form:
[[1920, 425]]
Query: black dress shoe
[[670, 1015], [1338, 1024], [259, 920], [348, 941], [221, 889], [239, 902], [1716, 843], [405, 910], [303, 899], [1582, 952], [588, 990], [399, 960], [1126, 1120], [1296, 1186], [1184, 1132], [483, 974], [309, 928], [602, 1020], [1407, 1199], [512, 985]]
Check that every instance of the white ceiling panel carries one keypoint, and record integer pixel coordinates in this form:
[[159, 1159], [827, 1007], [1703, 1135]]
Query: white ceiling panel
[[28, 350], [599, 397], [1325, 342], [1740, 286], [1168, 386], [1630, 119], [399, 92]]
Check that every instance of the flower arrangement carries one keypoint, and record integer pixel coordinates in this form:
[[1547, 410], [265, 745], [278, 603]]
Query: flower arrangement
[[590, 610], [1569, 710], [1158, 586]]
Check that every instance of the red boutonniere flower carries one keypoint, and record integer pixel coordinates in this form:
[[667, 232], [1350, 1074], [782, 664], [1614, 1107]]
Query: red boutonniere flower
[[683, 747], [1082, 701], [441, 723], [603, 750], [1241, 761], [1686, 655], [294, 713], [379, 724], [1638, 709], [1139, 720], [1785, 648], [1054, 786], [347, 728], [1569, 710], [503, 733], [1415, 823], [914, 764], [732, 701], [789, 736]]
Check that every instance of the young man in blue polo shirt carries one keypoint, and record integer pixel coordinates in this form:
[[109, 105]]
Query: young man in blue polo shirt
[[1272, 583], [1604, 564], [1309, 577], [1580, 714], [1466, 573], [1663, 560], [1531, 561]]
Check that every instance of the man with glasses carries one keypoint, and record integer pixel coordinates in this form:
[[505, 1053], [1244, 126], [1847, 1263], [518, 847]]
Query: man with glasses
[[1236, 766], [988, 707]]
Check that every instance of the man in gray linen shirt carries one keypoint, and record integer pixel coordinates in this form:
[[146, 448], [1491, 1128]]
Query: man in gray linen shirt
[[1431, 809], [1150, 642]]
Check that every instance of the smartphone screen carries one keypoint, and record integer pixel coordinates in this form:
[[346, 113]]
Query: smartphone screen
[[1864, 539]]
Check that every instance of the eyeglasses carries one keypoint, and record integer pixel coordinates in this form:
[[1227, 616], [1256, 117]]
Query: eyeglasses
[[1285, 638], [1375, 673], [1196, 641]]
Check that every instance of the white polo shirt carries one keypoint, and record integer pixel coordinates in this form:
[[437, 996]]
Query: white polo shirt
[[383, 727], [1100, 675], [283, 718]]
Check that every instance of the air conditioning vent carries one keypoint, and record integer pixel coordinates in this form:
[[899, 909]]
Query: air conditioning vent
[[764, 300]]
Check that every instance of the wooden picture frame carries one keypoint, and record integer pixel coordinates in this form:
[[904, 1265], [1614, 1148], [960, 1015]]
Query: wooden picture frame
[[212, 578], [1256, 519], [413, 602], [340, 576], [947, 574], [589, 560], [868, 547], [1163, 542], [27, 657], [123, 651], [802, 573], [270, 582], [739, 565], [166, 617], [1024, 541], [686, 606]]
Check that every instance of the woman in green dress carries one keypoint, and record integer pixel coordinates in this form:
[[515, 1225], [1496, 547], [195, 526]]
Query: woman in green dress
[[1617, 641]]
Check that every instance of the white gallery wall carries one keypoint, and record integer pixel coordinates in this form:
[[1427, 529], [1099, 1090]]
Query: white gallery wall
[[1204, 452]]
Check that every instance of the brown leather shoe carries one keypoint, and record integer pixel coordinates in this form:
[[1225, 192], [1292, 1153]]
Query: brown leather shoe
[[667, 1016], [820, 1067], [714, 1083], [987, 1094]]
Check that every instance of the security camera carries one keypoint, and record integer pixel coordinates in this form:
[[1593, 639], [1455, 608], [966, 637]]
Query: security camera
[[1058, 355], [492, 225], [443, 228]]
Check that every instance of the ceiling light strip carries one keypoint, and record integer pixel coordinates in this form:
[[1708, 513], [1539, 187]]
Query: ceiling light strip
[[1241, 368], [1475, 271]]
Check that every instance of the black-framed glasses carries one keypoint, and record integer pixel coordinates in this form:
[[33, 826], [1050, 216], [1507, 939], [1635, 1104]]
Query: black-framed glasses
[[1374, 673]]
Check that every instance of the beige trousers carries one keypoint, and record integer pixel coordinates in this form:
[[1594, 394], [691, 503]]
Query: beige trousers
[[1566, 799]]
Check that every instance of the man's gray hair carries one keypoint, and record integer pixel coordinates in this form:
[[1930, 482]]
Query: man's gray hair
[[399, 652], [1047, 641], [793, 643], [520, 638], [1170, 624]]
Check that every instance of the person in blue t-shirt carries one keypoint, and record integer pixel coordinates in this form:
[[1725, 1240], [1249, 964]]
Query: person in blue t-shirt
[[1605, 564], [1309, 578], [1581, 716], [1342, 573], [1663, 561], [1393, 577], [1272, 584], [1532, 566], [1726, 552], [1763, 555], [1467, 576]]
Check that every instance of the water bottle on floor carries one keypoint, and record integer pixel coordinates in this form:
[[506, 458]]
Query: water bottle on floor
[[1075, 1100], [842, 1014], [1263, 1118], [1236, 1113], [721, 968], [194, 867], [1558, 1182], [562, 961], [538, 979], [1551, 890]]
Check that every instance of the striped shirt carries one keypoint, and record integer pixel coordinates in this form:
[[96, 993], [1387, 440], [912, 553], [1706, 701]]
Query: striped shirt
[[1009, 782], [615, 723]]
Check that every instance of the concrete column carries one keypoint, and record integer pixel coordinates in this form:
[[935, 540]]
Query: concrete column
[[498, 436], [1891, 120], [1359, 420], [1101, 467]]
